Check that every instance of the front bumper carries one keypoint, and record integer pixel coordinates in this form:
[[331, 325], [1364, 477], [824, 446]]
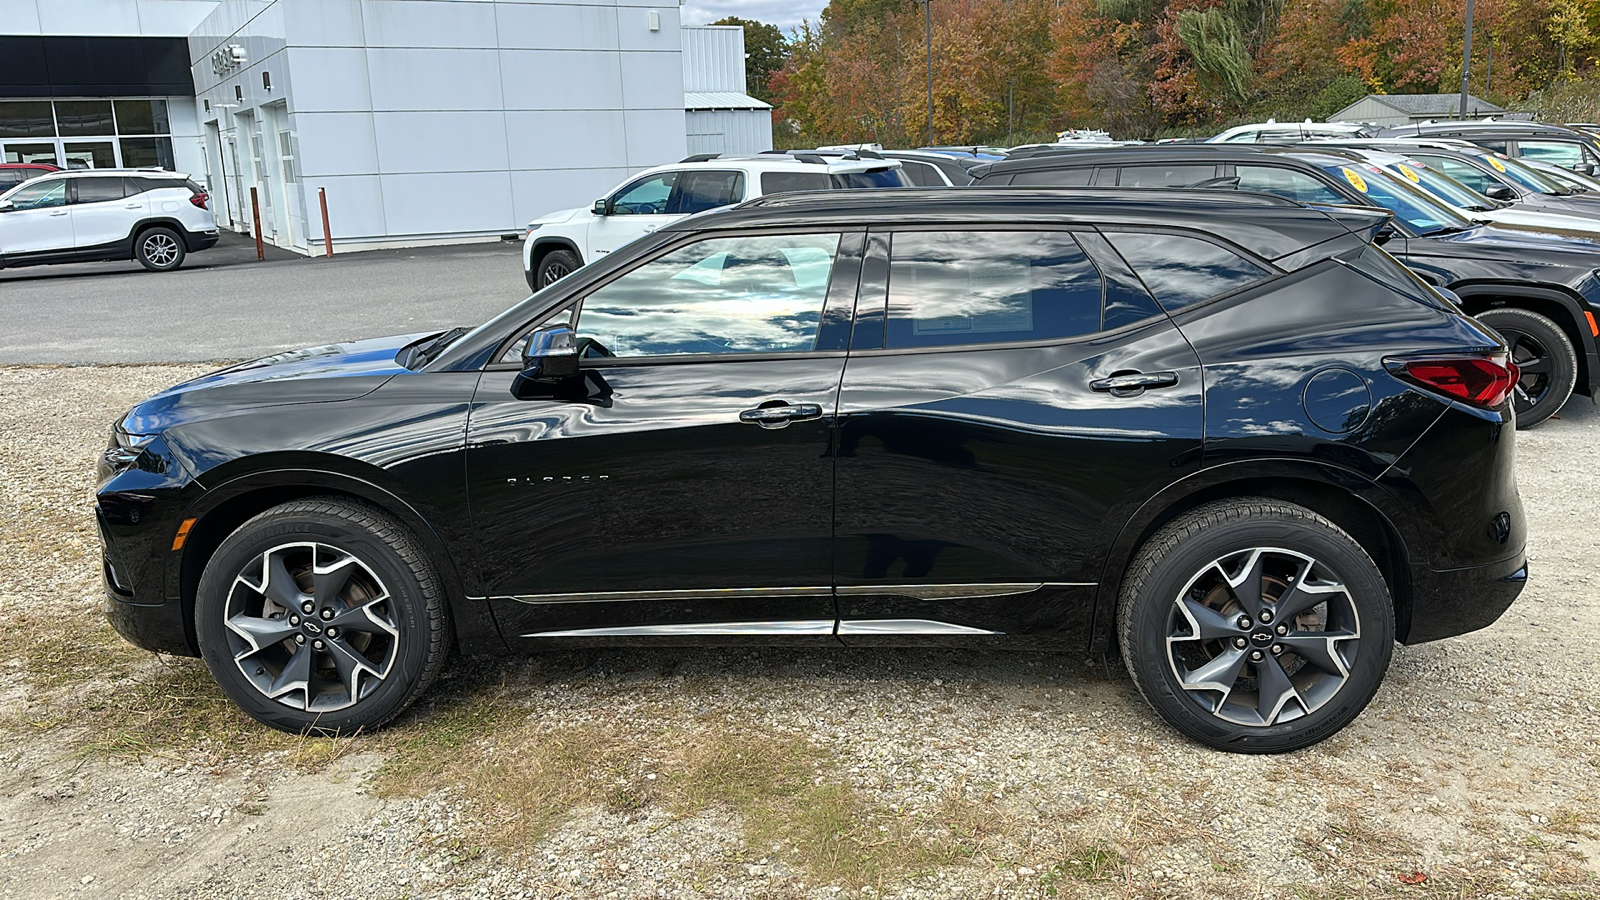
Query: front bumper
[[1456, 601]]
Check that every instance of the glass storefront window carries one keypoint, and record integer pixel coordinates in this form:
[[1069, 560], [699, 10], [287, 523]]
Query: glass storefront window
[[31, 153], [90, 155], [81, 118], [142, 117], [26, 118], [143, 153]]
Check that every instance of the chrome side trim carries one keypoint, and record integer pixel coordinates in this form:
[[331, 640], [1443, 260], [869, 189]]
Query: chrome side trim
[[819, 627], [776, 593], [953, 591], [905, 626]]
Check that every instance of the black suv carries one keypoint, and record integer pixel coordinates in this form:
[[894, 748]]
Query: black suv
[[1225, 433], [1539, 290], [1567, 147]]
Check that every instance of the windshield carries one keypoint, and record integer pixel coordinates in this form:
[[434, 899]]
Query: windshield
[[1420, 212], [1525, 176], [871, 178], [1442, 186]]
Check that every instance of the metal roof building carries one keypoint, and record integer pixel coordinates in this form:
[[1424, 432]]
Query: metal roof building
[[720, 116], [1409, 109]]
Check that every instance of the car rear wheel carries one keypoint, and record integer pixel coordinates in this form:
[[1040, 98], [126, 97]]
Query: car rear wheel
[[322, 615], [1255, 626], [159, 249], [1546, 357], [556, 265]]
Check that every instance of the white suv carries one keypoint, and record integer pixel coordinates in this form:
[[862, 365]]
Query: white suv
[[89, 215], [562, 241]]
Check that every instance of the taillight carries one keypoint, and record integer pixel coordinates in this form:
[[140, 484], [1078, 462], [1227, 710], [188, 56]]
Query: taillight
[[1482, 381], [200, 200]]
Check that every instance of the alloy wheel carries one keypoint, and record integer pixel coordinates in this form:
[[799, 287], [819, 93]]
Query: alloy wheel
[[311, 627], [1263, 636], [1533, 360], [160, 249], [552, 272]]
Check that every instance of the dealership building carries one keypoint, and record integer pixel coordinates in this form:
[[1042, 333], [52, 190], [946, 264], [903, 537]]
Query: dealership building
[[423, 121]]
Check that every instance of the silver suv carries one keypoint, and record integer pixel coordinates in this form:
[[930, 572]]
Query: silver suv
[[153, 216], [560, 242]]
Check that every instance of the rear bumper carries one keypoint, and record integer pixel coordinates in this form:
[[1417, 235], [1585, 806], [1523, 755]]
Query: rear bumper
[[200, 240], [1456, 601]]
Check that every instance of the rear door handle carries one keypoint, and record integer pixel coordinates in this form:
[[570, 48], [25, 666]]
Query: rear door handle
[[1133, 382], [780, 414], [61, 213]]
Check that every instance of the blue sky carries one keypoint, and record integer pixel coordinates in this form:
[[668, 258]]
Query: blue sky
[[775, 12]]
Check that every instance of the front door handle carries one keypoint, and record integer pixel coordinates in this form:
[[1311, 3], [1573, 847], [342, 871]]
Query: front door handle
[[61, 213], [780, 414], [1129, 383]]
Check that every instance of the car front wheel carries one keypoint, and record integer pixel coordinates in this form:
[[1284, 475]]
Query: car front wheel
[[322, 615], [556, 265], [1255, 626]]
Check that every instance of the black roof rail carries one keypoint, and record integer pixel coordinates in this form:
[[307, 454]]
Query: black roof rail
[[868, 154], [810, 158], [699, 157]]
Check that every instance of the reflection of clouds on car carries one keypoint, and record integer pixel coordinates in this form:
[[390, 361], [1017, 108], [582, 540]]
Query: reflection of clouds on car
[[731, 295]]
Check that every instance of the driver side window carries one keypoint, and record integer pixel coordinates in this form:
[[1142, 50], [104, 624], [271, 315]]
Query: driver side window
[[725, 295], [644, 198], [41, 195]]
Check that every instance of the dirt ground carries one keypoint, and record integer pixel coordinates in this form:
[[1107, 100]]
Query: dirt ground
[[775, 773]]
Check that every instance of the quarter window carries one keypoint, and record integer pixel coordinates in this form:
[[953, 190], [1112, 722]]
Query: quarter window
[[1165, 176], [1181, 270], [726, 295], [984, 287], [1054, 177]]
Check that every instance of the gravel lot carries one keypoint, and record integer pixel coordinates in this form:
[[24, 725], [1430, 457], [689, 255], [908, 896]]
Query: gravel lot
[[775, 773]]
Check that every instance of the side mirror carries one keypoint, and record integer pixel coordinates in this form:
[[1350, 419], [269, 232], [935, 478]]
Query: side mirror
[[1500, 192], [551, 352], [1585, 169], [7, 206], [602, 207], [1384, 235]]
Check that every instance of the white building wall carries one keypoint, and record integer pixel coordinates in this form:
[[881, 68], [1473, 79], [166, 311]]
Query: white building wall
[[434, 120], [103, 18]]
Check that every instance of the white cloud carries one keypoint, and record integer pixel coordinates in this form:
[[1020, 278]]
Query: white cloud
[[773, 12]]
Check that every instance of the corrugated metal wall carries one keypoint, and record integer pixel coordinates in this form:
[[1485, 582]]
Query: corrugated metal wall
[[729, 131], [713, 59]]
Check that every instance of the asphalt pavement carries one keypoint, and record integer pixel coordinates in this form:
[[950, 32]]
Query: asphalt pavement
[[223, 304]]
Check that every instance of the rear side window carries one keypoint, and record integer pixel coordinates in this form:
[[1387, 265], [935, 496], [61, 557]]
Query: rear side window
[[1054, 177], [138, 184], [700, 191], [1468, 175], [1287, 183], [99, 190], [1165, 176], [1561, 153], [984, 287], [1181, 270], [784, 182]]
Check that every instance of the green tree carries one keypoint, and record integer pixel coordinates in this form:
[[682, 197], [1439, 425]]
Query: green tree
[[764, 53]]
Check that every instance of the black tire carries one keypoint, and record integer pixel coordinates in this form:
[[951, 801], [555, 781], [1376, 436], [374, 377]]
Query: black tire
[[1548, 360], [1169, 640], [159, 249], [377, 583], [554, 266]]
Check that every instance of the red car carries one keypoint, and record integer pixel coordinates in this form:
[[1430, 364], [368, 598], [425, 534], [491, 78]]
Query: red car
[[13, 174]]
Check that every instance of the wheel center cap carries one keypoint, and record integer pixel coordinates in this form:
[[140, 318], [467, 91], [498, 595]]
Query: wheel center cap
[[312, 627], [1262, 638]]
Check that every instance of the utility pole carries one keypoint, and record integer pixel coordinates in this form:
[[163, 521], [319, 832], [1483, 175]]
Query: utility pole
[[927, 20], [1466, 60], [1488, 75]]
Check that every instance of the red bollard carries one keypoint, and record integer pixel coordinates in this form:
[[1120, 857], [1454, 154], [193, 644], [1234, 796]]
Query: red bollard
[[255, 210], [327, 236]]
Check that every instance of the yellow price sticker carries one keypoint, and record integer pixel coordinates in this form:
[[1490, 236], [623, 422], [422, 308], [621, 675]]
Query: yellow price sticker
[[1354, 178], [1498, 165], [1410, 175]]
